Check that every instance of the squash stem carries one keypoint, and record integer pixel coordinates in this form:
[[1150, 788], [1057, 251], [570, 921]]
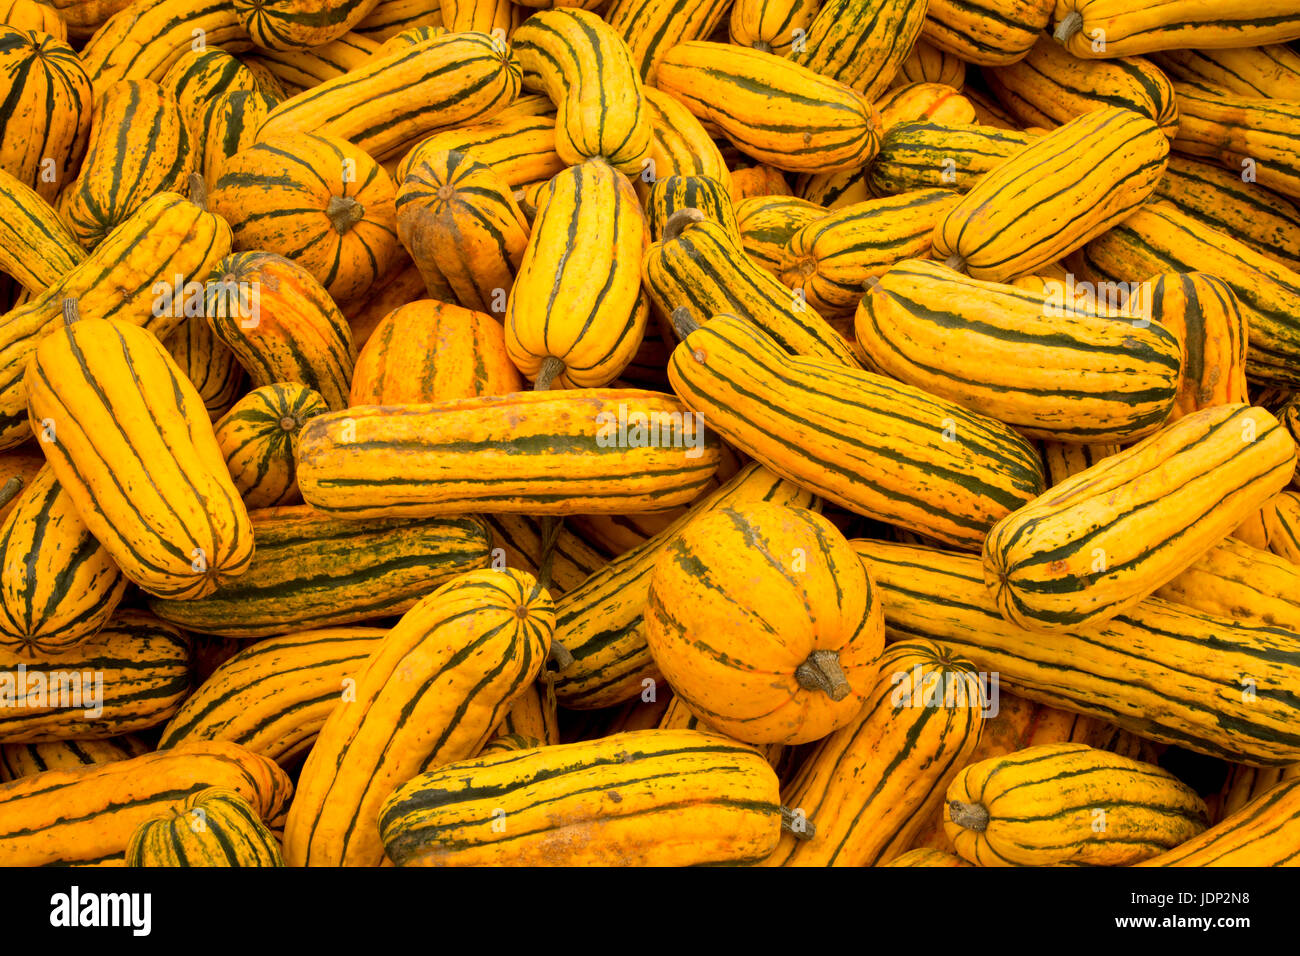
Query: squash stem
[[972, 816], [955, 262], [560, 656], [680, 220], [552, 368], [822, 671], [70, 311], [762, 46], [1068, 27], [799, 827], [683, 321], [344, 212], [198, 191], [9, 491], [551, 525]]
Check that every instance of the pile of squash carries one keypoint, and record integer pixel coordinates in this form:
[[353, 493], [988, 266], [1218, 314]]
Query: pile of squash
[[649, 432]]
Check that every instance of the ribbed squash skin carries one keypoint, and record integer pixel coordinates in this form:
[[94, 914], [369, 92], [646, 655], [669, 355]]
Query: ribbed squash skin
[[601, 622], [47, 98], [1270, 71], [727, 586], [313, 570], [861, 43], [211, 367], [870, 444], [431, 693], [300, 70], [138, 147], [259, 438], [215, 827], [427, 351], [1242, 583], [228, 126], [1202, 311], [1046, 201], [392, 17], [36, 247], [274, 696], [196, 79], [135, 452], [1243, 131], [643, 798], [532, 717], [924, 101], [1261, 219], [386, 105], [87, 817], [679, 145], [779, 112], [1104, 539], [1244, 784], [870, 786], [459, 218], [925, 856], [770, 25], [834, 190], [168, 236], [1280, 519], [144, 665], [1158, 239], [1069, 804], [1134, 26], [58, 585], [31, 15], [652, 27], [281, 323], [707, 195], [314, 199], [518, 143], [1051, 86], [578, 295], [142, 41], [928, 155], [986, 32], [1064, 459], [299, 24], [1002, 352], [587, 69], [766, 224], [518, 541], [830, 259], [482, 16], [531, 453], [699, 264], [1262, 833], [1189, 658], [23, 760]]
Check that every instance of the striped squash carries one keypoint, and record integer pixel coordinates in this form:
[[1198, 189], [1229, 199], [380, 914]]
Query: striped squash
[[142, 41], [720, 625], [1051, 86], [167, 237], [208, 364], [709, 196], [1104, 539], [404, 286], [131, 443], [1068, 187], [389, 103], [1255, 137], [18, 469], [86, 817], [391, 17], [130, 675], [1202, 311], [197, 78], [601, 621], [314, 199], [924, 101], [483, 16], [532, 717], [986, 32], [36, 247], [924, 856], [929, 155], [1158, 238], [999, 351], [677, 717], [33, 15], [427, 351], [268, 83], [588, 451], [259, 437], [643, 798], [47, 109], [929, 64], [430, 693], [861, 43], [299, 70], [773, 26], [1068, 803], [576, 314], [874, 446], [311, 570], [1201, 682], [299, 24], [652, 27], [23, 760], [139, 147], [1244, 784], [1237, 581], [519, 541], [1270, 71], [410, 37], [1262, 833], [509, 742], [459, 219], [829, 261], [778, 111], [587, 69], [58, 585], [1064, 459], [1110, 28], [228, 126], [834, 190], [281, 324], [84, 17], [869, 787], [214, 827], [679, 145], [1279, 520], [699, 265], [766, 224], [273, 697]]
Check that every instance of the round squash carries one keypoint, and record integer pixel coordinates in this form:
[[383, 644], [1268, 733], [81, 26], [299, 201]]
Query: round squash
[[214, 827], [259, 438], [31, 15], [765, 624]]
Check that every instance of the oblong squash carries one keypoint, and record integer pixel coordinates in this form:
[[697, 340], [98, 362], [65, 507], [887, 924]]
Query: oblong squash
[[228, 126], [259, 438], [1262, 833], [299, 24], [1202, 311], [986, 32], [1237, 581], [861, 43], [927, 155], [679, 145], [23, 760], [36, 246], [1108, 28], [214, 827], [211, 367]]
